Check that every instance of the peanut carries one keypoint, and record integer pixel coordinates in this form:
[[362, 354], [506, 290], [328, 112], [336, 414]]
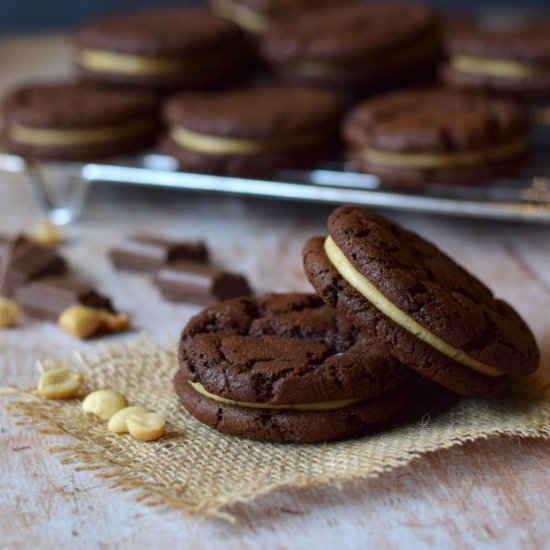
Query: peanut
[[9, 313], [146, 426], [59, 384], [118, 423], [114, 322], [47, 233], [104, 403], [80, 321]]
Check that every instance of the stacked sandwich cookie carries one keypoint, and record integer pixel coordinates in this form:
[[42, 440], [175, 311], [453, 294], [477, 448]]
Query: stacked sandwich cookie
[[353, 44], [513, 58], [437, 135], [257, 16], [286, 367], [391, 308], [161, 48], [71, 121], [223, 133]]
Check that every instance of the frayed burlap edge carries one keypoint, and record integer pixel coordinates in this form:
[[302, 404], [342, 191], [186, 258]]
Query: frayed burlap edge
[[202, 472]]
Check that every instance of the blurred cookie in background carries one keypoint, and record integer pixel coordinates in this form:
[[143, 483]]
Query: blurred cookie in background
[[354, 45], [257, 16], [437, 135], [67, 121], [162, 48], [252, 131], [500, 55]]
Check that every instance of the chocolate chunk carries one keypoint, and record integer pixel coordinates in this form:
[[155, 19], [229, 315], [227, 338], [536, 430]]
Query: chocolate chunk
[[47, 298], [4, 247], [147, 253], [23, 261], [202, 284]]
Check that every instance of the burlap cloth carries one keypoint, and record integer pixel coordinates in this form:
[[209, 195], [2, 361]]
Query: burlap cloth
[[201, 471]]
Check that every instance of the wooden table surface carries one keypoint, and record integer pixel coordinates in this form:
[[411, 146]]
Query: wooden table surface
[[493, 493]]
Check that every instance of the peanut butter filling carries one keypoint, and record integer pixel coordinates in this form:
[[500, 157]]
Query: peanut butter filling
[[113, 62], [444, 160], [248, 19], [318, 406], [216, 145], [360, 283], [53, 137], [492, 66]]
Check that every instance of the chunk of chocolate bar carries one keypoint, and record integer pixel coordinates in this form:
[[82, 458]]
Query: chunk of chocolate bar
[[4, 246], [24, 261], [47, 298], [147, 253], [201, 284]]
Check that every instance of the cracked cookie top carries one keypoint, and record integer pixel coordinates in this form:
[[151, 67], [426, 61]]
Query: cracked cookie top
[[284, 349]]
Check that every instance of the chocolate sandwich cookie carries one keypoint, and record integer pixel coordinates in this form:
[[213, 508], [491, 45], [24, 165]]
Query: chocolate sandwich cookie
[[257, 16], [437, 135], [161, 48], [438, 318], [353, 44], [512, 58], [76, 122], [285, 367], [252, 131]]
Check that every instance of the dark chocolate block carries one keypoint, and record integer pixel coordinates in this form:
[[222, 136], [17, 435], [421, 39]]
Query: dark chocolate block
[[47, 298], [196, 283], [147, 253], [4, 245], [23, 261]]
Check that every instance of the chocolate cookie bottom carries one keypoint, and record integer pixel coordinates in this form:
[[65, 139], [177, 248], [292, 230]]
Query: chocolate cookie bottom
[[291, 425]]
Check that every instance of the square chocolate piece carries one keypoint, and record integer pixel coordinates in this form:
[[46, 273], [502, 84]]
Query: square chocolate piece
[[49, 297], [201, 284], [148, 253], [24, 261]]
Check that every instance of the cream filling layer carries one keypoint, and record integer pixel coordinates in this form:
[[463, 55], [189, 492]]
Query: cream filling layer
[[113, 62], [27, 135], [423, 48], [492, 66], [443, 160], [248, 19], [216, 145], [360, 283], [318, 406]]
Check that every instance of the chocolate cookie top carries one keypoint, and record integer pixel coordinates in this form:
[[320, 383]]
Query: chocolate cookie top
[[353, 31], [435, 120], [283, 111], [71, 105], [283, 349], [522, 41], [160, 31], [432, 289]]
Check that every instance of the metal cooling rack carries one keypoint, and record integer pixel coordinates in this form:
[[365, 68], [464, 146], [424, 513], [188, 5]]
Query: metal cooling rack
[[60, 188]]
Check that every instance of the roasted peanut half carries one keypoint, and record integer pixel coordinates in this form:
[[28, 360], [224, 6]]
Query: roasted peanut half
[[104, 403], [80, 321], [118, 423], [146, 426], [114, 322], [47, 233], [9, 313], [59, 384]]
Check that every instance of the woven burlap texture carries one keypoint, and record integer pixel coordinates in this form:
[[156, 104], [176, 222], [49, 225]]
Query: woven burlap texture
[[201, 471]]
